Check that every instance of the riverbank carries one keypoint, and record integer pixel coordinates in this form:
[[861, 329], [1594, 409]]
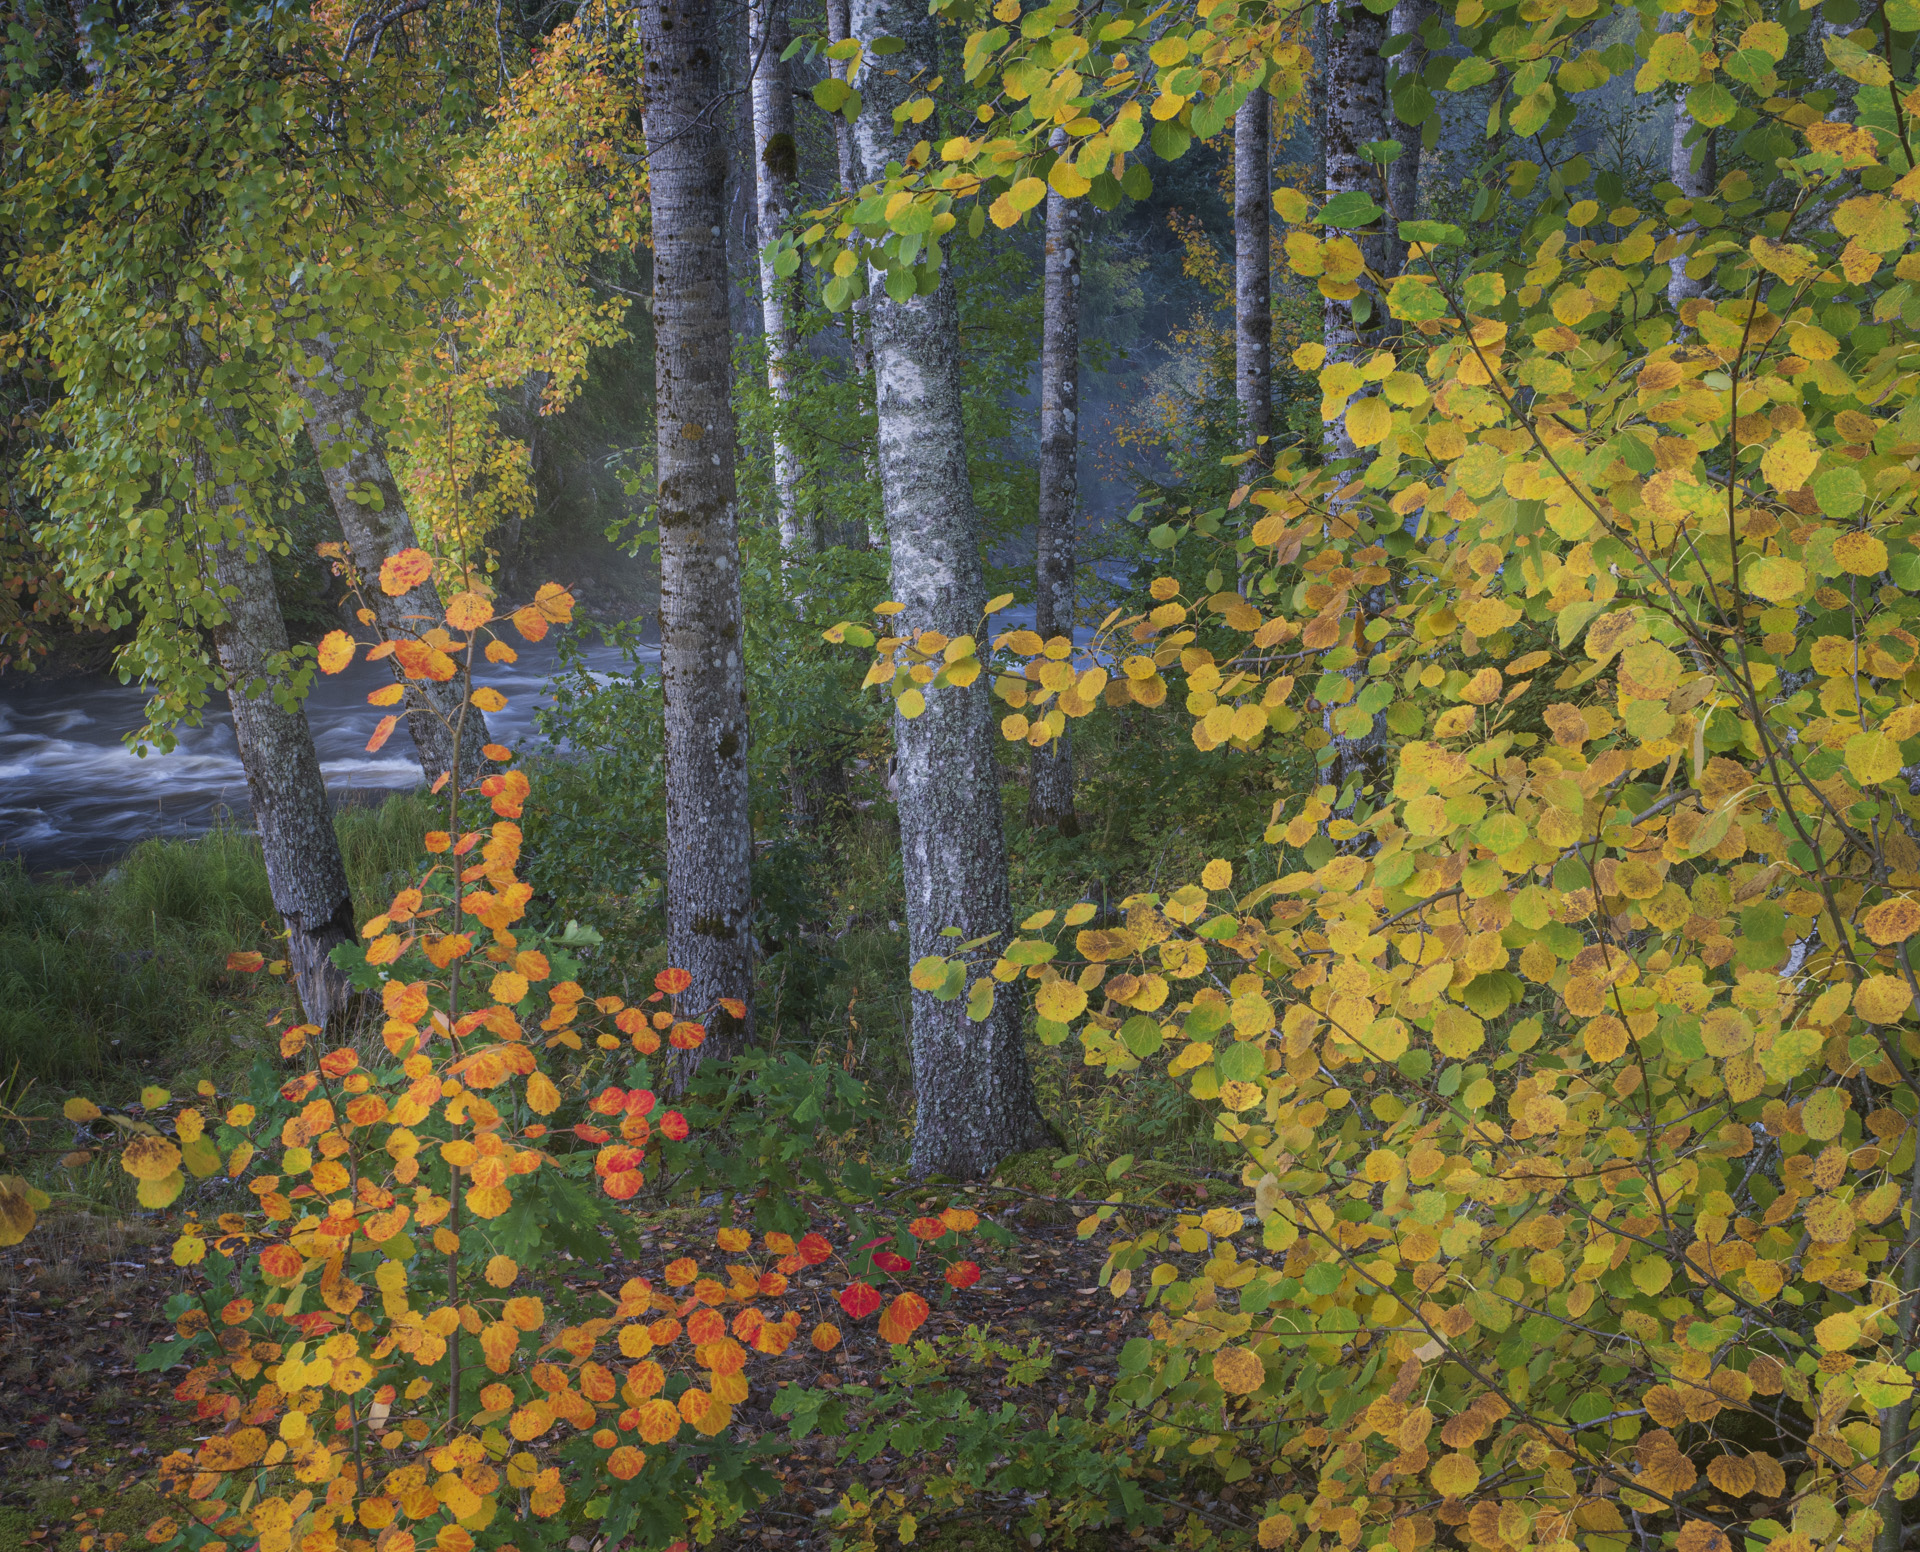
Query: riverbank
[[108, 978]]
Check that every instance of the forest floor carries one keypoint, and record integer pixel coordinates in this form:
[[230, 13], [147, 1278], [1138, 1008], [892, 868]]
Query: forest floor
[[81, 1428]]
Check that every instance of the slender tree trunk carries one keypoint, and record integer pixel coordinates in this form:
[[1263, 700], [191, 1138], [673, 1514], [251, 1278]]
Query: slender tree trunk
[[305, 871], [702, 672], [1403, 175], [1696, 171], [1050, 790], [306, 875], [860, 315], [1252, 283], [973, 1091], [775, 167], [1356, 113], [1317, 98], [375, 523]]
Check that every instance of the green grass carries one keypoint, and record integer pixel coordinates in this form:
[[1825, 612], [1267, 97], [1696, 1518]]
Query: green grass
[[127, 975]]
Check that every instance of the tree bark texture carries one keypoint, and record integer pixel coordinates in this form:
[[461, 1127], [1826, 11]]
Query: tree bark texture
[[305, 872], [1050, 790], [702, 669], [1695, 169], [973, 1090], [1356, 97], [859, 315], [1356, 112], [375, 523], [775, 167], [1403, 175], [1252, 281]]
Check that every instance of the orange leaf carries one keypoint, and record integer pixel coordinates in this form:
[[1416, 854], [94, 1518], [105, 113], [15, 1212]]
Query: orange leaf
[[530, 622], [496, 751], [468, 611], [555, 602], [382, 733], [489, 699], [926, 1228], [245, 960], [403, 572], [859, 1300], [386, 695], [904, 1316], [672, 981], [826, 1336]]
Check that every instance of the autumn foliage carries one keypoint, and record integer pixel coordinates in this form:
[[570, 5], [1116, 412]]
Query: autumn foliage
[[380, 1345]]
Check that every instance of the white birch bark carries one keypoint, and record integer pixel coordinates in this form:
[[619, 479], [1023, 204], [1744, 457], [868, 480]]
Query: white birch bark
[[702, 668], [775, 167], [1050, 770], [1356, 113], [974, 1101], [859, 316], [1252, 282], [1403, 175]]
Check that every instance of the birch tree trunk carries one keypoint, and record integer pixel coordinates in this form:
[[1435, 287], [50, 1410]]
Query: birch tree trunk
[[1403, 175], [702, 671], [1050, 789], [1356, 112], [1252, 284], [859, 316], [775, 167], [973, 1091], [375, 523], [1695, 182], [306, 874], [1356, 99]]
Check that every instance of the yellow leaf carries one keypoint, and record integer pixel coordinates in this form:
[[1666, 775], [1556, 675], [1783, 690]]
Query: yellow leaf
[[1369, 421], [1061, 1001], [1238, 1371], [1216, 875], [489, 699], [911, 704], [1872, 758], [1790, 462]]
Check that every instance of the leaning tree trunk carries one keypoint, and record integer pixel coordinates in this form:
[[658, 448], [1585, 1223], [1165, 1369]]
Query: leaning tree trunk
[[1252, 286], [306, 875], [702, 671], [1050, 792], [375, 523], [1356, 113], [1403, 175], [973, 1091], [775, 166], [305, 871]]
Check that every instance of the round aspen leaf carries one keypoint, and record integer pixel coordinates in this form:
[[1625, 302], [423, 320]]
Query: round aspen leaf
[[1238, 1371], [1883, 999], [1455, 1475], [1892, 921], [405, 571], [1837, 1333], [1861, 554], [1060, 1001]]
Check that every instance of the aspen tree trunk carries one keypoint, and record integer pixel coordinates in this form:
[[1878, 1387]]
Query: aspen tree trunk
[[702, 671], [1403, 175], [1696, 182], [775, 166], [305, 872], [375, 523], [1317, 100], [859, 316], [306, 875], [973, 1091], [1356, 112], [1050, 792], [1252, 284]]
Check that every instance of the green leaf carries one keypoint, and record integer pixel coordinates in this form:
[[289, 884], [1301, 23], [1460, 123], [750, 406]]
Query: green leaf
[[1470, 72], [1531, 112], [1119, 1167], [1243, 1062], [1840, 492], [1711, 104], [1169, 142], [1443, 234], [831, 94], [1353, 209], [1142, 1036]]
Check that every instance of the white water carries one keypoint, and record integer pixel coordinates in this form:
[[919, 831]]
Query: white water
[[72, 792]]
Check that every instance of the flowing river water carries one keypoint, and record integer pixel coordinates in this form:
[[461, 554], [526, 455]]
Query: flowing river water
[[74, 794]]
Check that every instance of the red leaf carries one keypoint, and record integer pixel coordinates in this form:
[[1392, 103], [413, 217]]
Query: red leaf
[[926, 1228], [675, 1125], [859, 1301], [245, 960], [382, 733], [887, 1261], [813, 1249], [963, 1274]]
